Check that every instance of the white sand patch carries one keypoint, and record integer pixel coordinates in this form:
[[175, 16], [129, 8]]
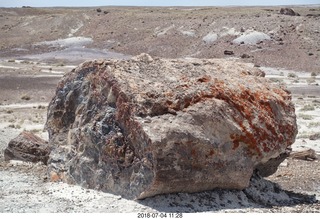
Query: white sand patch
[[48, 76], [78, 54], [9, 67], [210, 37], [22, 61], [70, 66], [75, 30], [160, 32], [21, 106], [190, 33], [51, 71], [251, 37], [226, 31], [68, 42]]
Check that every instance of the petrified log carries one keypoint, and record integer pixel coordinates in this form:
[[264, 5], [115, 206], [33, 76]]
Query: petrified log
[[288, 11], [307, 154], [27, 147], [145, 126]]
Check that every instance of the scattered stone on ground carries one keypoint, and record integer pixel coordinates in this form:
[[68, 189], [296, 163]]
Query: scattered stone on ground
[[288, 11], [27, 147], [228, 52], [307, 154]]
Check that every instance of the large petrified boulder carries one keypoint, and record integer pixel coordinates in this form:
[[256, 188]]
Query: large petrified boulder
[[27, 147], [145, 126]]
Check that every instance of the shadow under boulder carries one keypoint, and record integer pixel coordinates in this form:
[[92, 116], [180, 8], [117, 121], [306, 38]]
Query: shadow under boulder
[[261, 194]]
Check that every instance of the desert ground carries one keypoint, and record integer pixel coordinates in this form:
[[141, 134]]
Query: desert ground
[[39, 45]]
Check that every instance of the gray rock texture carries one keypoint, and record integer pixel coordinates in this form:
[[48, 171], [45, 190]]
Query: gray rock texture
[[149, 126], [288, 11], [27, 147]]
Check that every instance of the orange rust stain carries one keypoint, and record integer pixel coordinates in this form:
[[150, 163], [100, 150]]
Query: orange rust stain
[[254, 105], [54, 177]]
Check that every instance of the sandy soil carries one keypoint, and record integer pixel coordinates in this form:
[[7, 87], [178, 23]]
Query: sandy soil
[[31, 66]]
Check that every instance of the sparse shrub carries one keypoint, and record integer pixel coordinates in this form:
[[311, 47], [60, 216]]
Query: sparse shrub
[[314, 136], [275, 80], [305, 117], [25, 97], [303, 135], [41, 107], [21, 121], [296, 81], [313, 74], [11, 120], [292, 75], [61, 64], [9, 111], [307, 107], [311, 80], [35, 130], [11, 60], [313, 124]]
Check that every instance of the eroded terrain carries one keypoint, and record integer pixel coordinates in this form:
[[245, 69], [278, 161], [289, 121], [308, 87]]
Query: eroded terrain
[[55, 41]]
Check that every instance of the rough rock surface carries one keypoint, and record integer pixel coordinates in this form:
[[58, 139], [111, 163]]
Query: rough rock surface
[[27, 147], [145, 126], [288, 11], [270, 167]]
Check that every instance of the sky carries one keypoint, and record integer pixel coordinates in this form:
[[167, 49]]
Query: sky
[[67, 3]]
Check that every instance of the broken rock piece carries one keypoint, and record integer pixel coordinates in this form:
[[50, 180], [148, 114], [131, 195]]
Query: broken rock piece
[[27, 147]]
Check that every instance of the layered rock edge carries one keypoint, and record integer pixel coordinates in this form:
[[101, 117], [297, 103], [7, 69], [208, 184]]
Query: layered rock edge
[[148, 126]]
